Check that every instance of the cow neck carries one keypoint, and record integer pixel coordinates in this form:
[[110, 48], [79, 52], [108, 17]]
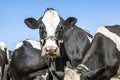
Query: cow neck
[[52, 67], [52, 63]]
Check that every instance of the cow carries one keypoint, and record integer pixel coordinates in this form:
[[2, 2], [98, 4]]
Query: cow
[[102, 60], [76, 41], [51, 46], [26, 62], [56, 34], [3, 61]]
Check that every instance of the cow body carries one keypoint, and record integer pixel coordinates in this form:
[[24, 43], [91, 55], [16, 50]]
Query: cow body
[[103, 58], [3, 61], [27, 63], [106, 46], [76, 41]]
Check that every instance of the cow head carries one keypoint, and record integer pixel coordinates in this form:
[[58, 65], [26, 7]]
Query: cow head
[[51, 28]]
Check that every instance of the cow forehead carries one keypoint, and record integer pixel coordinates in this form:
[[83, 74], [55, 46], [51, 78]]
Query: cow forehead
[[51, 20]]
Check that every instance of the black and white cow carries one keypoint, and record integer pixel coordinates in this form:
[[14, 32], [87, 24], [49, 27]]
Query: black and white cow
[[59, 36], [3, 61], [27, 63], [102, 59], [76, 41]]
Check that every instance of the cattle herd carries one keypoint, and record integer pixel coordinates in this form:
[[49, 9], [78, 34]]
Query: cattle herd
[[64, 52]]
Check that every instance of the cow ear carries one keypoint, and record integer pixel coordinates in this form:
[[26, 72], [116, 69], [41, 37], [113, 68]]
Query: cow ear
[[70, 22], [31, 23]]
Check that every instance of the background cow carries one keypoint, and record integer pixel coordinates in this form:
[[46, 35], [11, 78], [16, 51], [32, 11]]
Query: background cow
[[76, 41], [3, 61], [103, 58], [58, 36], [27, 63]]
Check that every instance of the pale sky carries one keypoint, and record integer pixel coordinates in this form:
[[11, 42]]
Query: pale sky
[[91, 14]]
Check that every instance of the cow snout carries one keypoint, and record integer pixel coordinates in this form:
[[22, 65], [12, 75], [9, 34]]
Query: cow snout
[[51, 51]]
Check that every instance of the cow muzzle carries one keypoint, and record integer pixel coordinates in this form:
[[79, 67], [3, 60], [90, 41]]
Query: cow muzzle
[[51, 51]]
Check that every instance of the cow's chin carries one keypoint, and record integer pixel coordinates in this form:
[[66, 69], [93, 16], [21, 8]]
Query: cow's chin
[[50, 55]]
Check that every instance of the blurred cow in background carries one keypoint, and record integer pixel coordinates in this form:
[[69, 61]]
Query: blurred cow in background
[[3, 61], [102, 60], [27, 63]]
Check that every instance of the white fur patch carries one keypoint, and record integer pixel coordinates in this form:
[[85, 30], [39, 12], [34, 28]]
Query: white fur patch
[[115, 38], [45, 76], [51, 20], [115, 79], [2, 46], [8, 57], [34, 43], [48, 43], [90, 39], [18, 45], [71, 74], [42, 77]]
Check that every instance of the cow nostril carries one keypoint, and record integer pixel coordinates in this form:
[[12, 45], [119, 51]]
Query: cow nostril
[[51, 50], [46, 49], [55, 50]]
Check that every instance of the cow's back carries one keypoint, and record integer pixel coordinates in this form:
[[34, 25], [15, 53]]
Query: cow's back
[[26, 62]]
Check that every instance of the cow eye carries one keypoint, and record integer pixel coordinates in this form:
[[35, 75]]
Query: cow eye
[[43, 34], [58, 35], [41, 27], [42, 30]]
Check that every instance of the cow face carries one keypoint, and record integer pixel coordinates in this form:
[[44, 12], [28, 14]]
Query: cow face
[[47, 25], [51, 28]]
